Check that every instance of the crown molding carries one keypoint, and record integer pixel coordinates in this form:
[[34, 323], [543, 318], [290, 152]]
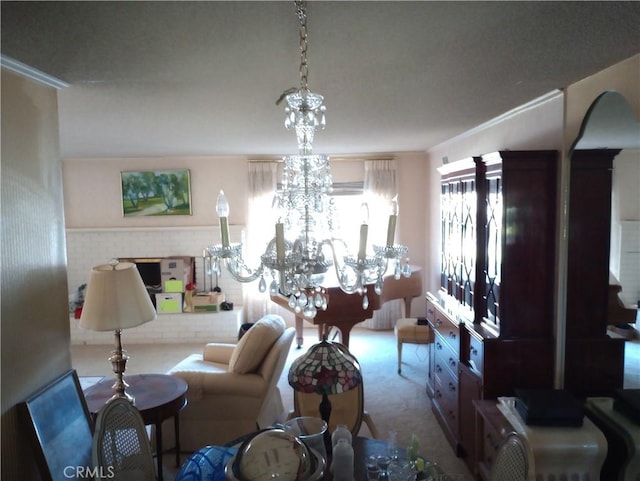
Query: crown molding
[[31, 73]]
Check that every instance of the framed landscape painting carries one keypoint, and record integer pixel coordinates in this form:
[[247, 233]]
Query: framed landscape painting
[[156, 192]]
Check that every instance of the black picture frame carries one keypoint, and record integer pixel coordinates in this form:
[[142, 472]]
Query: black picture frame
[[61, 428]]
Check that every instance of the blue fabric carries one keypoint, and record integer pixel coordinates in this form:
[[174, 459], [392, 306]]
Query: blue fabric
[[207, 464]]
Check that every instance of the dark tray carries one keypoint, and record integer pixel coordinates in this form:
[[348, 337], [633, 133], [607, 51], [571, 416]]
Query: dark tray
[[549, 407]]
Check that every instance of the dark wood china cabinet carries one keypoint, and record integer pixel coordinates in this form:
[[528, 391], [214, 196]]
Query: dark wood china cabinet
[[594, 362], [493, 317]]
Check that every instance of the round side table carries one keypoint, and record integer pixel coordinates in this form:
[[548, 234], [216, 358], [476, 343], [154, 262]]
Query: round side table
[[157, 397]]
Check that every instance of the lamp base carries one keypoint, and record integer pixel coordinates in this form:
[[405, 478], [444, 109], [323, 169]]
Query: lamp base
[[125, 395], [325, 414], [119, 362]]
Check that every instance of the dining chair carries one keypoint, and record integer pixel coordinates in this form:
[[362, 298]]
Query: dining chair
[[511, 463], [121, 448]]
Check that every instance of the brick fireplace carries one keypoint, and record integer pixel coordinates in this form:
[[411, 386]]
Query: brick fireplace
[[89, 247]]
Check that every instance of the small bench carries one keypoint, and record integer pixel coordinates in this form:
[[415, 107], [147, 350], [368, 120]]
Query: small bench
[[408, 330]]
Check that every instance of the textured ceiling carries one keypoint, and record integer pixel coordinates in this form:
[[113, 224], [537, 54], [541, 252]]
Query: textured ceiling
[[202, 78]]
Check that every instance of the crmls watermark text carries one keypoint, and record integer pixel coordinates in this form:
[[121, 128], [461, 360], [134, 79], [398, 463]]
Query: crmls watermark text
[[86, 472]]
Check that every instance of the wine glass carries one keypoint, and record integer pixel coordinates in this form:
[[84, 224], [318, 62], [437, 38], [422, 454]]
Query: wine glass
[[383, 463], [392, 446], [373, 470]]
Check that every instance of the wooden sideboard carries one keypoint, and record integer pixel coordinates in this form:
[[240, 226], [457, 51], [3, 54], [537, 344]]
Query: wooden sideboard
[[494, 315], [491, 430]]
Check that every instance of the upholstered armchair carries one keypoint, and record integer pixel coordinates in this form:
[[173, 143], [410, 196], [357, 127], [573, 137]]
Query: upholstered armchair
[[232, 387]]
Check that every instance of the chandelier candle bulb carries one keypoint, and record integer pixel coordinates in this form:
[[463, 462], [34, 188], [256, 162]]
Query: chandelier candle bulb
[[222, 208], [364, 232], [391, 230], [393, 217], [362, 250], [224, 231], [280, 242]]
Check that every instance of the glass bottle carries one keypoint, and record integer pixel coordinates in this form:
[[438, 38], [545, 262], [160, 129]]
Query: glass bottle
[[342, 461], [341, 432]]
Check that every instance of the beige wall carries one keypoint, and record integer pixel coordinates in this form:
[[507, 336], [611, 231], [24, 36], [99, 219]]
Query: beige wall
[[92, 197], [626, 182], [623, 77], [413, 230], [34, 319], [540, 125], [537, 125]]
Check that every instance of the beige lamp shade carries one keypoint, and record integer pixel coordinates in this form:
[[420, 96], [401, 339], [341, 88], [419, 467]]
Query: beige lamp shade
[[116, 298]]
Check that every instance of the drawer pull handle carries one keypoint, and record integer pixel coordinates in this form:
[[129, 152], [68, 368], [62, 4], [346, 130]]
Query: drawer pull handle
[[438, 346], [452, 362], [452, 387], [452, 334], [474, 351], [438, 368], [438, 321]]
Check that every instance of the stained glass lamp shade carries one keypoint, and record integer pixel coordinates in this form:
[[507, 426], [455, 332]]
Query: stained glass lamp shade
[[325, 369]]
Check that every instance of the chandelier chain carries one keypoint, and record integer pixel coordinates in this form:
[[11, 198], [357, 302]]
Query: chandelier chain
[[301, 11]]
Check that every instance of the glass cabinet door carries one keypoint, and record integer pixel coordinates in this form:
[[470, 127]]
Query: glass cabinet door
[[449, 223], [459, 233], [493, 263], [468, 209]]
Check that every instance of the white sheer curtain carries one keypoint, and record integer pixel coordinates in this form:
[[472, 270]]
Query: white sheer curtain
[[380, 186], [260, 229]]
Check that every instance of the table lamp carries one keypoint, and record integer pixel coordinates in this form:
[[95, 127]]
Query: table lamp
[[325, 369], [116, 299]]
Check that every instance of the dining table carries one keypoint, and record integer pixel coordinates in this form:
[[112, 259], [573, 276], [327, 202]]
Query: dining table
[[209, 462]]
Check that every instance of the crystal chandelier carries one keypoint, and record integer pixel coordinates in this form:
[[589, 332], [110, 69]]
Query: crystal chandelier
[[300, 256]]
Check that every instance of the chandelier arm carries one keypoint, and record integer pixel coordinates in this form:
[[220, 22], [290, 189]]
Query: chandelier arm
[[297, 247], [346, 288], [334, 255], [232, 264]]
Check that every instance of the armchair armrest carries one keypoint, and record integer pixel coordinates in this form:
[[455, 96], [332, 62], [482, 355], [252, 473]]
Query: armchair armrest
[[218, 352], [211, 380], [232, 384]]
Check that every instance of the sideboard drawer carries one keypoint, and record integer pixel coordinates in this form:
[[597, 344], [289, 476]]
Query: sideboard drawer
[[431, 312], [449, 331], [446, 396], [445, 357]]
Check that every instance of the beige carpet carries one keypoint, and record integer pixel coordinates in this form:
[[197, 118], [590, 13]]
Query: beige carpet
[[396, 402]]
